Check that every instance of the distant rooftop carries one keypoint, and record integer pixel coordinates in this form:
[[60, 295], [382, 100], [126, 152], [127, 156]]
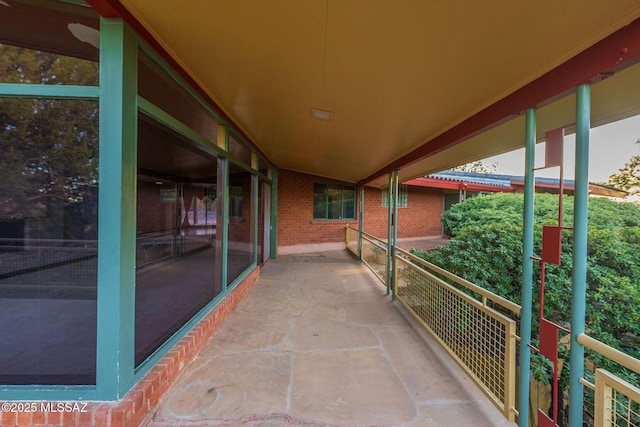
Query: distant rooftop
[[498, 182]]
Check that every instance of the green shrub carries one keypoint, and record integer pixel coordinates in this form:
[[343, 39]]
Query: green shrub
[[486, 248]]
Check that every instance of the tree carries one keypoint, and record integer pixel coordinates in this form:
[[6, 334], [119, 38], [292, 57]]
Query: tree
[[628, 178], [48, 147], [477, 167]]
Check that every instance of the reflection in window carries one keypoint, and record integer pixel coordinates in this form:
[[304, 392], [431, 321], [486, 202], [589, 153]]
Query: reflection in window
[[334, 201], [178, 246], [48, 240], [55, 43], [238, 150], [160, 89], [241, 229]]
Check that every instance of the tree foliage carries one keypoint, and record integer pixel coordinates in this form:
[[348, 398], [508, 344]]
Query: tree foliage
[[628, 177], [477, 167], [486, 248], [49, 146]]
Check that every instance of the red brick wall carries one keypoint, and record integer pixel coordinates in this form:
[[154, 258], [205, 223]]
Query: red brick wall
[[421, 217], [296, 226], [295, 213]]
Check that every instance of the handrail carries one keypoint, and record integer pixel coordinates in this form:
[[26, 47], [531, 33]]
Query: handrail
[[478, 304], [611, 353], [371, 236], [503, 302]]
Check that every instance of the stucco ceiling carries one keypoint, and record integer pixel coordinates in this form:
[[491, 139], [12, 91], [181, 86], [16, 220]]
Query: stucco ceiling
[[394, 74]]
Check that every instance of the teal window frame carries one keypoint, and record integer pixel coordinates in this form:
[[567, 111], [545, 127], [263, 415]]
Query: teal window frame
[[119, 104], [326, 202]]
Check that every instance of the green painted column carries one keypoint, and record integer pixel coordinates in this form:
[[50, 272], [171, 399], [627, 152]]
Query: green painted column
[[223, 164], [527, 269], [389, 231], [117, 210], [580, 225], [274, 212], [256, 216], [360, 222], [394, 242]]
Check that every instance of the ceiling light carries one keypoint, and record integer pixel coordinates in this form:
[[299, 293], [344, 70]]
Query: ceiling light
[[321, 114]]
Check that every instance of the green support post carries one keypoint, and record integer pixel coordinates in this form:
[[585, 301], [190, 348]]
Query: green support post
[[394, 279], [360, 222], [527, 269], [256, 217], [223, 163], [580, 229], [389, 232], [274, 212], [117, 210]]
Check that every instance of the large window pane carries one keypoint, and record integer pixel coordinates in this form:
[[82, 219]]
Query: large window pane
[[241, 222], [178, 247], [48, 42], [48, 240], [162, 90]]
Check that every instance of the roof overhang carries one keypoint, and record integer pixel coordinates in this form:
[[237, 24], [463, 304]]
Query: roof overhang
[[410, 85]]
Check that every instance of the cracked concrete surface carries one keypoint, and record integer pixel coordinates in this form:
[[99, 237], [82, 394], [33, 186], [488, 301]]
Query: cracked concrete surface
[[317, 342]]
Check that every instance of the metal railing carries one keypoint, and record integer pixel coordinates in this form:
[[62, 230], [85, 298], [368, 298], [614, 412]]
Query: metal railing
[[48, 268], [479, 331], [352, 240], [374, 252], [477, 336], [616, 402]]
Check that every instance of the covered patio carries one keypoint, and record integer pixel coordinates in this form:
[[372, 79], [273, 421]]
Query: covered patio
[[317, 342]]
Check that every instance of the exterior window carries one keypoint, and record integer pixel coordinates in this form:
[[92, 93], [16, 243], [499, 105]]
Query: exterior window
[[48, 240], [402, 196], [334, 201], [241, 222], [48, 195], [178, 261], [52, 44]]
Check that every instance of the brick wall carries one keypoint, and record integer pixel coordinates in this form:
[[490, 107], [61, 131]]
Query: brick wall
[[296, 226], [421, 217]]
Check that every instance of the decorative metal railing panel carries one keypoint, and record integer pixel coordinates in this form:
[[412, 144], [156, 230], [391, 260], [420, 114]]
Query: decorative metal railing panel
[[352, 240], [616, 402], [374, 255], [480, 339], [479, 331]]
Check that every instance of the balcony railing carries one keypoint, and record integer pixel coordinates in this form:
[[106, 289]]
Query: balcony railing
[[616, 402], [479, 338], [478, 329]]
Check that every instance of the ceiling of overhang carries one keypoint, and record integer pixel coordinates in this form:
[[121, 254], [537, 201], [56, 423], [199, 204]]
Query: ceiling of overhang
[[394, 74]]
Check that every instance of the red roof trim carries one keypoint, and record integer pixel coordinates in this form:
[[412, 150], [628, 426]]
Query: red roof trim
[[107, 9], [456, 185], [611, 54], [543, 185]]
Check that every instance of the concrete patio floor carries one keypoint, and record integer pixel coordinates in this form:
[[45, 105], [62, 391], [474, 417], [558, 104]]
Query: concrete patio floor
[[316, 342]]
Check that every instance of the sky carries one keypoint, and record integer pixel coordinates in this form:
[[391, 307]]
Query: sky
[[610, 147]]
